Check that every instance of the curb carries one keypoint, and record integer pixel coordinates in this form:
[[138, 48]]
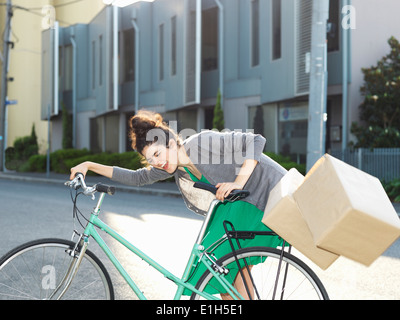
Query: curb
[[119, 187]]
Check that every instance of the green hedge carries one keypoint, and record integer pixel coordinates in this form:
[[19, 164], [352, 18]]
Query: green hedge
[[393, 190], [130, 160], [59, 158], [286, 162], [22, 149], [62, 160]]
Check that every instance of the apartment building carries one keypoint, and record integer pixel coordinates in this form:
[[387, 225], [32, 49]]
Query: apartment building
[[172, 56], [182, 53]]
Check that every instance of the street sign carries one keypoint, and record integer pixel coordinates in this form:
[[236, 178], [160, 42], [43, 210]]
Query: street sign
[[11, 102]]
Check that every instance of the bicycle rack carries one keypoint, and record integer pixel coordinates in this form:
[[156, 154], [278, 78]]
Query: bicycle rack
[[233, 234]]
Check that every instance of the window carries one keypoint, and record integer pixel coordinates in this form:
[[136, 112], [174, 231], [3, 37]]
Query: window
[[93, 65], [173, 45], [333, 26], [68, 53], [100, 60], [292, 128], [60, 66], [210, 39], [161, 52], [262, 119], [255, 33], [276, 29], [128, 55]]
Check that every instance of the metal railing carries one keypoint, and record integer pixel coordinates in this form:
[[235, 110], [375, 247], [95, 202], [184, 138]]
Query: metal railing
[[383, 163]]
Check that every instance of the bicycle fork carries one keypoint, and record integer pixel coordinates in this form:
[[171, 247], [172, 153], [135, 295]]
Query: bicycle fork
[[77, 254]]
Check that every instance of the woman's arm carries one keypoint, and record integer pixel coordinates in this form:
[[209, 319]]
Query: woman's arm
[[84, 167], [138, 177], [224, 189], [246, 148]]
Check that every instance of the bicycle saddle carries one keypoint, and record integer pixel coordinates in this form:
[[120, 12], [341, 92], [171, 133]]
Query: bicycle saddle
[[233, 196]]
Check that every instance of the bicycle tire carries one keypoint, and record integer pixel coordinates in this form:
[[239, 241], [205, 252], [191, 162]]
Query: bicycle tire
[[33, 270], [299, 276]]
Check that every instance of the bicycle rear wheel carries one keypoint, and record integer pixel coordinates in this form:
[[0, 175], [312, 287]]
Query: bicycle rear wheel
[[300, 283], [34, 271]]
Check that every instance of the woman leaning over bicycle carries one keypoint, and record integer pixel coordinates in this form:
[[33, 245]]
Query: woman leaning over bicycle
[[230, 160]]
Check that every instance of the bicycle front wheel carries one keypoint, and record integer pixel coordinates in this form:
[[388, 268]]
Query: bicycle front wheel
[[36, 270], [296, 280]]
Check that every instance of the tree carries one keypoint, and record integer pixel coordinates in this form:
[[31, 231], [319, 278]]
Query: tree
[[66, 128], [218, 119], [258, 121], [380, 110]]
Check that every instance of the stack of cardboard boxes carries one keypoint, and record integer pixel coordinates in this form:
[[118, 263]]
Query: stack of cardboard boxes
[[334, 210]]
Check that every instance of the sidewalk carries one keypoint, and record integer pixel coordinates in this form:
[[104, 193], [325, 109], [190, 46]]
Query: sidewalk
[[159, 188]]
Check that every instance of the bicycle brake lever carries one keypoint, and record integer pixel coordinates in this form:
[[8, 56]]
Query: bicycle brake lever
[[73, 183]]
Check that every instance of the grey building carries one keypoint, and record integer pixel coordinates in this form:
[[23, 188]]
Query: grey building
[[172, 56]]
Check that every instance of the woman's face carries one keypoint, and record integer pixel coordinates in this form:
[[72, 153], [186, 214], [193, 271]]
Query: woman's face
[[161, 157]]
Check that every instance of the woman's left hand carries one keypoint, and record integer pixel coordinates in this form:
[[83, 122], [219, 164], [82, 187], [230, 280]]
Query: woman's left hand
[[225, 188]]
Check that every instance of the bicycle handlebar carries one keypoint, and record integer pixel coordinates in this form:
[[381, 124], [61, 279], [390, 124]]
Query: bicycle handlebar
[[79, 182], [110, 190], [233, 196]]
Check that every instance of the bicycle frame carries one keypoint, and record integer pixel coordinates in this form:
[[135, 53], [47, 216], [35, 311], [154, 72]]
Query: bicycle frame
[[197, 251]]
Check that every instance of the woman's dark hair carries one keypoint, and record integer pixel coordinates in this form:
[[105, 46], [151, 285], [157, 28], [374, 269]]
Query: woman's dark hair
[[146, 128]]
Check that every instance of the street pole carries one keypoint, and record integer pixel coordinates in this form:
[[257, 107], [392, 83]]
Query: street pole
[[4, 73], [318, 83]]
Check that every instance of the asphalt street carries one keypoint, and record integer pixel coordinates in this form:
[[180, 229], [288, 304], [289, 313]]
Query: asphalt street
[[156, 224], [164, 229]]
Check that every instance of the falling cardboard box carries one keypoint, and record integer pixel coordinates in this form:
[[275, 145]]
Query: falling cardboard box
[[347, 210], [284, 217]]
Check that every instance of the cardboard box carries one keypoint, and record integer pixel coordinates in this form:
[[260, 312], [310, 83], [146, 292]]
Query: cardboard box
[[284, 217], [347, 211]]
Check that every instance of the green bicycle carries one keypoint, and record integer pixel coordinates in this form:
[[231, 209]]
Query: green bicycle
[[49, 269]]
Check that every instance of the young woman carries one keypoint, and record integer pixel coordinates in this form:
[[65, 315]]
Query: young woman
[[230, 160]]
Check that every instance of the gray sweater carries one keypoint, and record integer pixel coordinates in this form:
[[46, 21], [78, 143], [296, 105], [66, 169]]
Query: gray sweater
[[218, 157]]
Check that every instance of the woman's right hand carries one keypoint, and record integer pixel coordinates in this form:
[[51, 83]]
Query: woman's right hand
[[80, 168], [84, 167]]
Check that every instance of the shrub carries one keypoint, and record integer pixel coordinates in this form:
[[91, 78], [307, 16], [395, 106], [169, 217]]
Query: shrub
[[129, 160], [61, 161], [393, 190], [22, 150], [58, 158], [25, 147], [37, 163], [66, 127], [286, 162], [218, 119], [11, 162]]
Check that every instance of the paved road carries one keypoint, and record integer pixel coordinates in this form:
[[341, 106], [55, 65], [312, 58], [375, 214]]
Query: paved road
[[157, 225]]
